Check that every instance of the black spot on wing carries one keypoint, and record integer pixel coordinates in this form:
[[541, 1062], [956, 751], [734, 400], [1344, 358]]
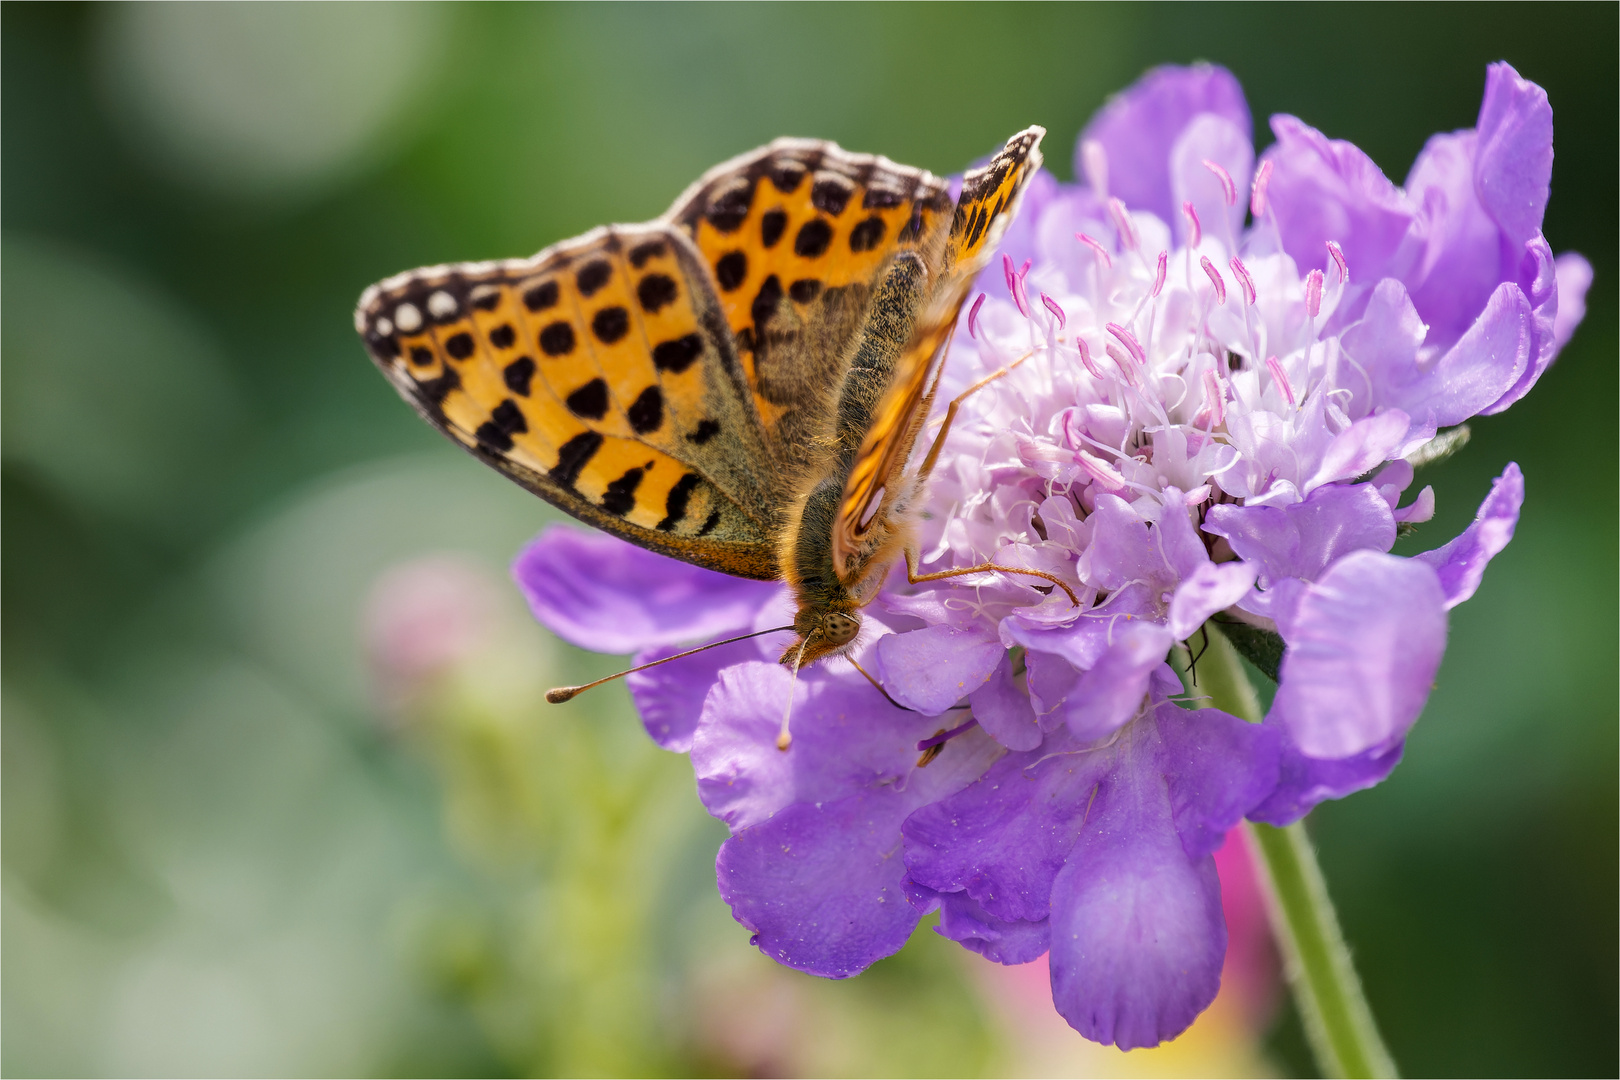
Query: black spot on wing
[[787, 174], [679, 497], [771, 227], [541, 297], [505, 421], [765, 303], [655, 292], [589, 402], [804, 290], [708, 526], [620, 496], [867, 235], [518, 375], [652, 249], [421, 355], [592, 276], [731, 270], [813, 238], [610, 324], [557, 339], [729, 208], [573, 456], [503, 336], [706, 430], [830, 194], [677, 355], [647, 411], [459, 346]]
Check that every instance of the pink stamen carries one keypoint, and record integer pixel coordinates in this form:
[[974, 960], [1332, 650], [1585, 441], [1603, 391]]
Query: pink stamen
[[1102, 252], [1214, 279], [1101, 471], [1216, 399], [1313, 293], [1228, 188], [1280, 377], [973, 317], [1128, 339], [1160, 272], [1257, 200], [1197, 495], [1015, 285], [1122, 222], [1123, 362], [1339, 261], [1244, 279], [1195, 230], [1085, 357], [1052, 306]]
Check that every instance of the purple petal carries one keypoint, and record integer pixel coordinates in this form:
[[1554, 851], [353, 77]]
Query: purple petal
[[1219, 768], [821, 884], [1301, 540], [603, 594], [1137, 932], [930, 670], [1461, 563], [1004, 711], [1304, 782], [1483, 366], [1515, 152], [1003, 839], [1367, 443], [846, 739], [1364, 644], [670, 697], [1574, 278], [1138, 128], [1325, 189], [1464, 257], [1212, 587], [1209, 137], [1111, 693], [963, 919]]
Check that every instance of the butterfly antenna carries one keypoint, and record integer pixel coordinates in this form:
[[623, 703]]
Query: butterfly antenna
[[784, 739], [560, 694]]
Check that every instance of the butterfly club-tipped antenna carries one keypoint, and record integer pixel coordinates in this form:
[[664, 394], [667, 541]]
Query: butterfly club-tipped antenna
[[559, 694]]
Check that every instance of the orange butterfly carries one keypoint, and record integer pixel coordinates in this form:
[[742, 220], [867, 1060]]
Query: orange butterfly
[[739, 383]]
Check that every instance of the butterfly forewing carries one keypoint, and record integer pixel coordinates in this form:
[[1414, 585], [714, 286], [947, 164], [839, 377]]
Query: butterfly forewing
[[601, 375], [796, 235], [989, 201]]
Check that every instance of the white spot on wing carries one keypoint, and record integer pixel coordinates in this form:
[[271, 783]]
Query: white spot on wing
[[384, 327], [407, 318], [441, 305]]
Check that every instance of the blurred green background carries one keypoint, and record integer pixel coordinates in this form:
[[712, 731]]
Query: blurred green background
[[257, 820]]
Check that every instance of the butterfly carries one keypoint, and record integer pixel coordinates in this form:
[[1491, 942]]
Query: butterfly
[[739, 383]]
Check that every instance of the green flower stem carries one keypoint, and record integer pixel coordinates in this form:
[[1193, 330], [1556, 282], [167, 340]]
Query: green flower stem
[[1327, 992]]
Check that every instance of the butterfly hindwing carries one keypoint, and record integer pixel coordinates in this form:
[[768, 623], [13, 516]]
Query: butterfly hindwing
[[600, 375], [797, 235], [988, 202]]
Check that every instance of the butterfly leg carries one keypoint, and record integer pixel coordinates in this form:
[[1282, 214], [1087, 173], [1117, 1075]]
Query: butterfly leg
[[950, 413], [986, 567]]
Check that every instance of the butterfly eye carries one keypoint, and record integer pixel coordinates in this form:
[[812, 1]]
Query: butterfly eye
[[840, 629]]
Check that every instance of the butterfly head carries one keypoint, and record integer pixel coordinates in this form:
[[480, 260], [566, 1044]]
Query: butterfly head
[[822, 632]]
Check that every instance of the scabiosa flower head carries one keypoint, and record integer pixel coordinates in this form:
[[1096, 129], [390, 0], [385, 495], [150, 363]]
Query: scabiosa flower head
[[1218, 375]]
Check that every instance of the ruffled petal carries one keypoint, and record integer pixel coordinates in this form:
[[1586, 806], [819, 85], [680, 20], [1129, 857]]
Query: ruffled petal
[[1219, 768], [1003, 709], [1111, 693], [1138, 128], [1325, 189], [1461, 563], [1364, 644], [1006, 941], [1303, 782], [1301, 540], [1137, 932], [1514, 164], [930, 670], [602, 594], [1212, 587]]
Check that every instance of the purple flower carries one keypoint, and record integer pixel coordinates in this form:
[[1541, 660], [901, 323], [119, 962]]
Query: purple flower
[[1215, 418]]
